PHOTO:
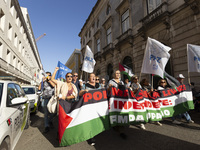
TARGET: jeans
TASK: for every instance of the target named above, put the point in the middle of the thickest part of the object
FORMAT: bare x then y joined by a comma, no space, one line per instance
185,115
48,117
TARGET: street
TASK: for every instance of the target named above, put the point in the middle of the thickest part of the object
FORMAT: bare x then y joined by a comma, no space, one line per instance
168,136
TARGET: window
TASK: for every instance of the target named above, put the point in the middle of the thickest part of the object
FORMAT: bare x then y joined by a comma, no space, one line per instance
89,33
108,10
20,92
1,50
18,65
10,31
15,40
11,92
97,23
125,21
8,56
110,71
23,51
14,61
108,35
98,45
2,19
20,46
153,4
12,8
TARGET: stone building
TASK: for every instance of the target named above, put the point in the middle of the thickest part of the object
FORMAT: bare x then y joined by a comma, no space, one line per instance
117,32
74,62
19,55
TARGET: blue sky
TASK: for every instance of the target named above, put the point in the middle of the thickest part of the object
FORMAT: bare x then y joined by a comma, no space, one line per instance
62,21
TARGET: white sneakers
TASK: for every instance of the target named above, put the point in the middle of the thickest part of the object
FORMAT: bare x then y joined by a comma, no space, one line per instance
142,126
190,121
158,123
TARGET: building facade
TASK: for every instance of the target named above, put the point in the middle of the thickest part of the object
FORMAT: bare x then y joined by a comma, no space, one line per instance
19,55
117,32
74,62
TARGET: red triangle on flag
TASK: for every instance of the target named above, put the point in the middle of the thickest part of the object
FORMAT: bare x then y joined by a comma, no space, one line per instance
64,120
121,67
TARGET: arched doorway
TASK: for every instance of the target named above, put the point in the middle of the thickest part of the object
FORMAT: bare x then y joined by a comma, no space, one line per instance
127,62
109,72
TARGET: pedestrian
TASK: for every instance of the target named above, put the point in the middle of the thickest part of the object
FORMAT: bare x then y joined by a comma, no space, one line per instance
91,85
186,115
47,88
146,85
76,81
98,81
135,86
66,90
127,84
103,83
117,82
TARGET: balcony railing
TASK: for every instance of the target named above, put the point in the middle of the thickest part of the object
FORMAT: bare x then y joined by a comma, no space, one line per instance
126,37
160,11
108,49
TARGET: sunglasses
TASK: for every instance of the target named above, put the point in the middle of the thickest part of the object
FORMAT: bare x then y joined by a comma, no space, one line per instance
75,75
97,79
69,76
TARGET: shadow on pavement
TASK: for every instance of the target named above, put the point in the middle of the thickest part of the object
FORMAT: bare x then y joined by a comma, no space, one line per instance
137,139
141,140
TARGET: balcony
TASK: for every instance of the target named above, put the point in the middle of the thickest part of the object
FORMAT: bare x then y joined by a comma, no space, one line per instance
109,49
160,14
97,56
126,37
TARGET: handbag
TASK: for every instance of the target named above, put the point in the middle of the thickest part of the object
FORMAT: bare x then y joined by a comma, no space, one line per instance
51,106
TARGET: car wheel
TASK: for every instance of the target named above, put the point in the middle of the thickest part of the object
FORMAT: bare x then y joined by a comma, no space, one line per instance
5,145
27,121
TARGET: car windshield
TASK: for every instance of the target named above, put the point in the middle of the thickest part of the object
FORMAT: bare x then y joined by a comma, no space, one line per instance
1,91
29,90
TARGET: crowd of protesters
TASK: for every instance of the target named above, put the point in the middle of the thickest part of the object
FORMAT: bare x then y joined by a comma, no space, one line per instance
72,88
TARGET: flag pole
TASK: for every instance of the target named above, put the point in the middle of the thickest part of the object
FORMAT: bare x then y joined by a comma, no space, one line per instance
188,77
81,75
152,81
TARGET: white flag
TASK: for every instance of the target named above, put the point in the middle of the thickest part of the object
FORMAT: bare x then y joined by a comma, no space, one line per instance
155,58
193,54
89,62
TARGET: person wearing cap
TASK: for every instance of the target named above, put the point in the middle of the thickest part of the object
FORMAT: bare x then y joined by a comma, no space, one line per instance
181,78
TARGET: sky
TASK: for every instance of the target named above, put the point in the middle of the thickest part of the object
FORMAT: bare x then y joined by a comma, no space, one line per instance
62,21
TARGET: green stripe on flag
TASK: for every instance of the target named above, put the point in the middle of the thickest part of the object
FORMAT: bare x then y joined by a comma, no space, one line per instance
85,131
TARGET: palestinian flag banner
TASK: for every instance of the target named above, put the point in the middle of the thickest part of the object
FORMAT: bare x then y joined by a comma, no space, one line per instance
125,70
127,108
83,119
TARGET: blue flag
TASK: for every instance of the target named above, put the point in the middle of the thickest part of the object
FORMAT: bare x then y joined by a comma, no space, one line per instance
63,70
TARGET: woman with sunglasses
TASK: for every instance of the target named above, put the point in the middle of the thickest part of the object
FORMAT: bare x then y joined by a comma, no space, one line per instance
162,84
68,90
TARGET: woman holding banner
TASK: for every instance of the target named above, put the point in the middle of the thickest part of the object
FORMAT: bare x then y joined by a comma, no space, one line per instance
66,91
118,83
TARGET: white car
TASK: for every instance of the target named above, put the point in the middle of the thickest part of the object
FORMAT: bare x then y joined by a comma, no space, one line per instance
14,114
31,93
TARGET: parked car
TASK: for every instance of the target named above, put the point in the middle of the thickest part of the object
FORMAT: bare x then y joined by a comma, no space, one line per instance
34,99
14,113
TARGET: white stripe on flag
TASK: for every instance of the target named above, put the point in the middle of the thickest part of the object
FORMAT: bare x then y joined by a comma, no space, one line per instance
88,112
